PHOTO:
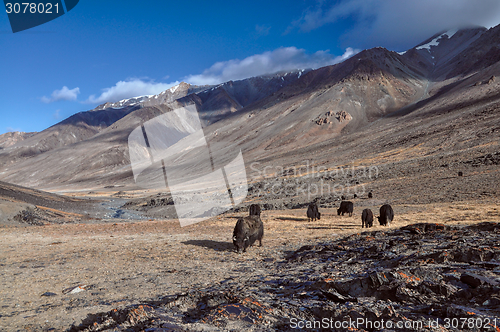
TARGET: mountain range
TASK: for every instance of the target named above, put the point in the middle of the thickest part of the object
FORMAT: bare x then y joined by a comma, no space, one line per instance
378,99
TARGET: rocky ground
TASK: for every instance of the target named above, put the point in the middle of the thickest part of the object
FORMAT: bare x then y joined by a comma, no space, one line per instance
421,277
157,276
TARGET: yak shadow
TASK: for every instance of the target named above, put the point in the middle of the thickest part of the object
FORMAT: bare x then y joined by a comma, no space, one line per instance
292,218
452,177
321,227
332,227
346,225
210,244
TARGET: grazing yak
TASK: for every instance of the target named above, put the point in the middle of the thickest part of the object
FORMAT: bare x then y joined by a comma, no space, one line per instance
386,215
312,212
254,210
366,218
370,195
345,207
246,232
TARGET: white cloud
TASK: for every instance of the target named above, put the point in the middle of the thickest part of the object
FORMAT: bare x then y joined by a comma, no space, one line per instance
63,94
262,30
128,89
284,58
390,23
10,129
314,18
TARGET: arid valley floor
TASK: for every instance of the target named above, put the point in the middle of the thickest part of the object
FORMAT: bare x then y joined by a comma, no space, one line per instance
122,263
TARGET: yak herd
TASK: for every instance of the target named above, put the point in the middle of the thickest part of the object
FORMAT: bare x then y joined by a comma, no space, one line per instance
250,229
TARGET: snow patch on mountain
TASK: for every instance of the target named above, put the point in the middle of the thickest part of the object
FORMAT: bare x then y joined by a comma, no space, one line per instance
123,103
451,33
435,41
174,88
427,46
135,101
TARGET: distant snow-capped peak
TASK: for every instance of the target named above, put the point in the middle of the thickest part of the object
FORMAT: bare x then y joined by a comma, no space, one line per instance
134,101
182,89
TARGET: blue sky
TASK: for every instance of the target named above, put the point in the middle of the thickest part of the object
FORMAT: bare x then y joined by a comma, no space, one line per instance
109,50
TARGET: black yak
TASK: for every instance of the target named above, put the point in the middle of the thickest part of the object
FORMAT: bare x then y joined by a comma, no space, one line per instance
312,212
366,218
246,232
254,210
386,215
345,207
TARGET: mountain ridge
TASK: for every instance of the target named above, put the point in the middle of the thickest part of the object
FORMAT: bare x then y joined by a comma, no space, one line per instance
272,113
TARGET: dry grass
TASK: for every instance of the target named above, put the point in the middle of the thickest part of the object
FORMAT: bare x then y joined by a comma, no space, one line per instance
125,262
59,213
394,155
